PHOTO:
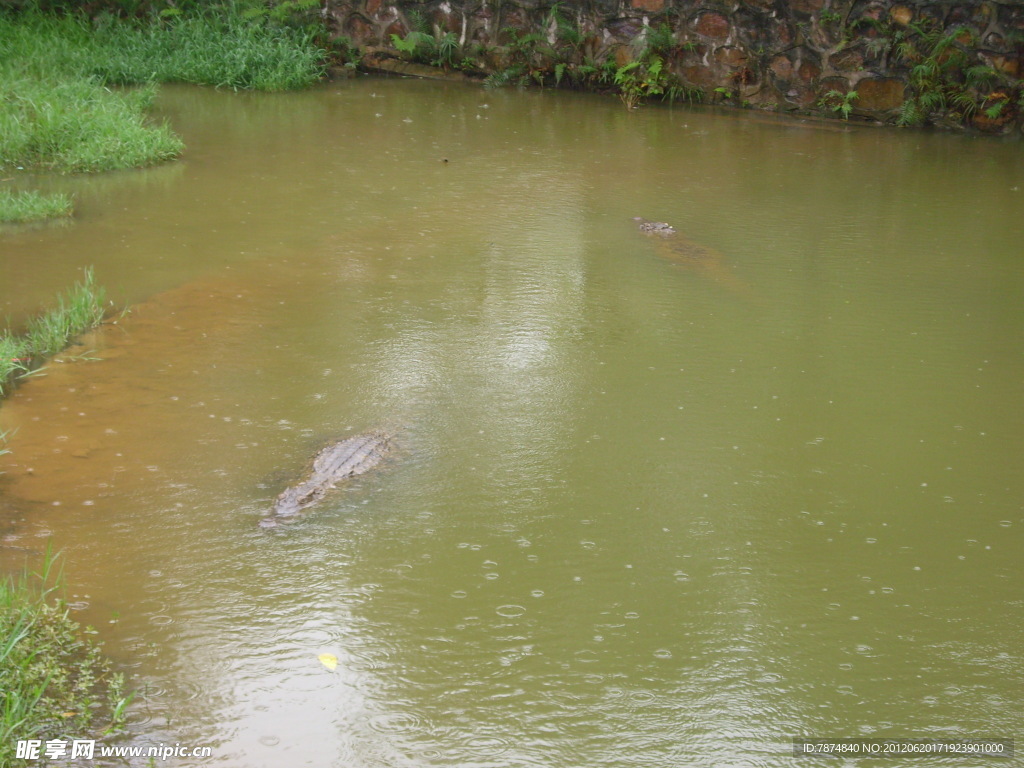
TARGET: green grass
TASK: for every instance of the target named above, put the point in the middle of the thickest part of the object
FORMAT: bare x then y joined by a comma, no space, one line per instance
74,125
18,207
77,310
220,47
63,107
53,682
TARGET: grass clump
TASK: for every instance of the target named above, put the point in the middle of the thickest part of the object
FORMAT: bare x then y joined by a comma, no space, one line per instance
77,310
53,682
76,124
19,207
221,46
61,110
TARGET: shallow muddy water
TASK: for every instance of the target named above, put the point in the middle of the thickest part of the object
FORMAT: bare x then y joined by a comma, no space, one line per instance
655,502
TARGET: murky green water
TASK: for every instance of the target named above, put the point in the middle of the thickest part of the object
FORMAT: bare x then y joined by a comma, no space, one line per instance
648,510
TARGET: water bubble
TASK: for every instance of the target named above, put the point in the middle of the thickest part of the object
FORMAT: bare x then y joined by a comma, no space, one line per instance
510,611
632,615
459,594
161,620
663,653
395,722
641,698
487,745
537,593
270,741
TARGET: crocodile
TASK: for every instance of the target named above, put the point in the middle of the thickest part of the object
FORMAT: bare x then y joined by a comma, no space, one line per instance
703,260
332,464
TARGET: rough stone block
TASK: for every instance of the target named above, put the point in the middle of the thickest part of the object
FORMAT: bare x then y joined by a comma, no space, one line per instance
880,94
807,6
651,6
731,56
850,60
712,24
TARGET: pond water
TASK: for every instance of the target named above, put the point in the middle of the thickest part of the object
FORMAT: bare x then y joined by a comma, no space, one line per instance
656,500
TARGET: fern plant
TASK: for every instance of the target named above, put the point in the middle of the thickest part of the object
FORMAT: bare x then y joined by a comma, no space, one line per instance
839,102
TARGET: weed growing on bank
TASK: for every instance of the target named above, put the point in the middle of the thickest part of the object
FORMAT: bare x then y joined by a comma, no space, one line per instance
18,207
53,682
79,309
222,47
72,124
59,75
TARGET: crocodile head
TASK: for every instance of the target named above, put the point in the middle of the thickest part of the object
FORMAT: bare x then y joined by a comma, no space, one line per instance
654,227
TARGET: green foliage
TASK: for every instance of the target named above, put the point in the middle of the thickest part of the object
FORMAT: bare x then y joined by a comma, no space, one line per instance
839,102
405,45
435,50
52,680
79,309
18,207
512,75
221,48
568,33
948,82
344,51
76,124
532,58
56,72
661,40
640,80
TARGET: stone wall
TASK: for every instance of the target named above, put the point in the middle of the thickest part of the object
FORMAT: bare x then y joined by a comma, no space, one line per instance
785,55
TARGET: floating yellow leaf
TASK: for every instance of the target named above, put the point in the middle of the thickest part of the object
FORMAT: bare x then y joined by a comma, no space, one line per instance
329,660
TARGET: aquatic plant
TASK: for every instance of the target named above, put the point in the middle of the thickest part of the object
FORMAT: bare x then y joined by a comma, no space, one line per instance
79,309
52,680
17,207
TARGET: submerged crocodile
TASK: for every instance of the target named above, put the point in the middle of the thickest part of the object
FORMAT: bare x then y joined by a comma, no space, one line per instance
699,258
338,461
